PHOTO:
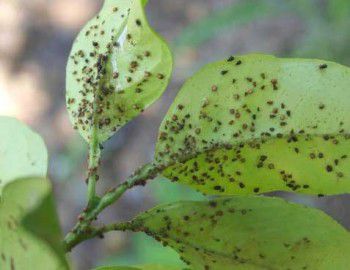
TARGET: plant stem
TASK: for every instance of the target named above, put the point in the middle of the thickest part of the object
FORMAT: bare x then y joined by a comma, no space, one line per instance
81,230
94,161
72,240
148,171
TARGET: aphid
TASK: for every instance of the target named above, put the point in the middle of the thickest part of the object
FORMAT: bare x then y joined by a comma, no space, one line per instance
138,22
329,168
231,58
214,88
323,66
274,83
134,64
224,72
238,62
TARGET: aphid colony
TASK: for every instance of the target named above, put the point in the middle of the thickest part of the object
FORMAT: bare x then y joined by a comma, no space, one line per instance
223,143
182,227
114,72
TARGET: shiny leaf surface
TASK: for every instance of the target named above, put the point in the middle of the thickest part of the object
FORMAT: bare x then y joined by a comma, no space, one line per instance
257,123
118,66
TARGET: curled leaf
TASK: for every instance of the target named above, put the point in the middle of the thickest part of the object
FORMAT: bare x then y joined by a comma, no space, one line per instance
248,232
257,123
22,152
118,66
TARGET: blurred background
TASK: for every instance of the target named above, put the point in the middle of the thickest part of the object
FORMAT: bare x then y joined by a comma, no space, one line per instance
35,40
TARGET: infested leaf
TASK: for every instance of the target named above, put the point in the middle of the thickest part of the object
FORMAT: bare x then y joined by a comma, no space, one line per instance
248,232
30,234
118,66
22,152
257,123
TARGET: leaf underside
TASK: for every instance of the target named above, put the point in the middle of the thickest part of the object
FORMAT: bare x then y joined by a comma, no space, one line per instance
249,232
30,234
257,123
22,152
118,66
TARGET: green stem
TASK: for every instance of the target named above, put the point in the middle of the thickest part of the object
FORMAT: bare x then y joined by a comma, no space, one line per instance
72,240
94,161
82,228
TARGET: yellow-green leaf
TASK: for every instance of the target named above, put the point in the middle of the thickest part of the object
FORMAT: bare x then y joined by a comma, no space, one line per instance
118,66
30,234
257,123
250,233
140,267
22,152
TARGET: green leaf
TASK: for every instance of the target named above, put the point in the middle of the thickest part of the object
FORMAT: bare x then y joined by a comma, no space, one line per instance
22,152
118,66
257,123
30,234
143,267
144,2
248,232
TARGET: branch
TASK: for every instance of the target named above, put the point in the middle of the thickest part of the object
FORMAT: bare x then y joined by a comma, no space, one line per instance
71,240
82,230
94,162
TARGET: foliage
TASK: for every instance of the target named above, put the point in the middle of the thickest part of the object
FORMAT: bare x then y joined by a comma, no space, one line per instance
248,124
30,232
118,67
23,152
249,106
248,232
28,221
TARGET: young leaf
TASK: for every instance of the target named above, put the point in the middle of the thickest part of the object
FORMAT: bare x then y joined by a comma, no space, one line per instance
257,123
30,235
248,232
22,152
118,66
